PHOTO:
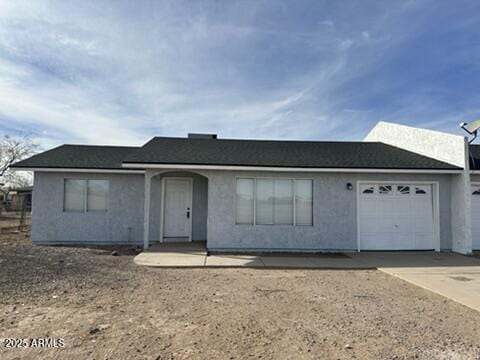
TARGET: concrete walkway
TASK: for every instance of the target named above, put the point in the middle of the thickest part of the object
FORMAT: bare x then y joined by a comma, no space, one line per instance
173,255
195,255
454,276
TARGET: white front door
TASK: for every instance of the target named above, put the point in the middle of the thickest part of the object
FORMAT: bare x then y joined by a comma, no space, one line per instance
177,209
476,217
396,217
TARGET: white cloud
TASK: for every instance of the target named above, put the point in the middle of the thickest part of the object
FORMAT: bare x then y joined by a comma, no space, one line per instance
120,73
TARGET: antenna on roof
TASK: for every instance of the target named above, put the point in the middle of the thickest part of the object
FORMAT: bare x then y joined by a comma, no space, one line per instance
471,129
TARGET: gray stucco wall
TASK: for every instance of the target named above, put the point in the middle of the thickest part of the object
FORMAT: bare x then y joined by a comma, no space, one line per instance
122,223
334,213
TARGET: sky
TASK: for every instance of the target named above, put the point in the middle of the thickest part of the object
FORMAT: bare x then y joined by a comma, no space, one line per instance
121,72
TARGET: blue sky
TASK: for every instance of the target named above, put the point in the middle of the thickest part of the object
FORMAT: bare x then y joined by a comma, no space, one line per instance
121,72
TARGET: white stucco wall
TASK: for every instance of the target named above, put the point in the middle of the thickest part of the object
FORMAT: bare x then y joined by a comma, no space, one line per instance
449,148
435,144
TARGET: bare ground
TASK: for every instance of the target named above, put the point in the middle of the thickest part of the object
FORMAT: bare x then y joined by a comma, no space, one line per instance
11,221
106,307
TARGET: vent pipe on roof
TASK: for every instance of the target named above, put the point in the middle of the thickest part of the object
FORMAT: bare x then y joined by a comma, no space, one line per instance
202,136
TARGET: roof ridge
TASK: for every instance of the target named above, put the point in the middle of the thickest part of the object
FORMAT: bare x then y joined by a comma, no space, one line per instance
111,146
268,140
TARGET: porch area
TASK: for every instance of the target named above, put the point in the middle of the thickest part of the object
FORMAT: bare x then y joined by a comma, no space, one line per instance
176,211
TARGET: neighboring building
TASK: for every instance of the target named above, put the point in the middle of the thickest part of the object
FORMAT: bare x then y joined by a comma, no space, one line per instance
401,189
17,199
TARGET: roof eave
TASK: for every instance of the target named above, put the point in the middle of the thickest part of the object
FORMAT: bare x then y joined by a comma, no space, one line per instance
288,169
78,170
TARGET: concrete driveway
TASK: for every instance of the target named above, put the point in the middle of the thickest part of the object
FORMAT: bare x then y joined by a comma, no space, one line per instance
454,276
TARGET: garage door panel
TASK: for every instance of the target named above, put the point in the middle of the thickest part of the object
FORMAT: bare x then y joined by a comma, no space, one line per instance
403,223
424,241
403,205
378,243
404,240
396,217
368,206
422,207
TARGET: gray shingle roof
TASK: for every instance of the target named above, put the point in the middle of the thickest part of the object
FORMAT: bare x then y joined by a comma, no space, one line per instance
308,154
265,153
79,156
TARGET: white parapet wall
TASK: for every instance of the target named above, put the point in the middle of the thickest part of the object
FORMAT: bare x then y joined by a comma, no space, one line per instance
452,149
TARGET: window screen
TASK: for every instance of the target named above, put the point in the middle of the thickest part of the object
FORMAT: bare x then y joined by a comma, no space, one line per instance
97,198
304,202
245,190
74,199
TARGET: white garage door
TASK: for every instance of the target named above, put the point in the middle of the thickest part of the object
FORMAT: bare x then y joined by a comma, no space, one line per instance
396,217
476,217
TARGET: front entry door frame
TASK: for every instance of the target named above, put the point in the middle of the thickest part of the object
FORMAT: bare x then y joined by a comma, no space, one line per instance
163,203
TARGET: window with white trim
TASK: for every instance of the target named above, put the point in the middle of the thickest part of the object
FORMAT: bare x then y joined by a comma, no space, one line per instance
85,195
274,202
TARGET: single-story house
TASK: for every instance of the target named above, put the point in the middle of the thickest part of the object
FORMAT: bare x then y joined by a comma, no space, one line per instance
402,188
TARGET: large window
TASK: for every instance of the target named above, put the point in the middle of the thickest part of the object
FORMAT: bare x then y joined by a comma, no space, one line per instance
274,202
85,195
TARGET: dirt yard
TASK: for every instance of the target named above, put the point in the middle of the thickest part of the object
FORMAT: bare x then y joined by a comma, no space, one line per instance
13,221
106,307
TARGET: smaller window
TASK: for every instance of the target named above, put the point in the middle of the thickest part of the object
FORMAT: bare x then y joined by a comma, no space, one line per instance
385,189
476,192
403,189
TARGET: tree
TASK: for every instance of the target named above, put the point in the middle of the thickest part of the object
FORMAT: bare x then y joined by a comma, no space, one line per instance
13,149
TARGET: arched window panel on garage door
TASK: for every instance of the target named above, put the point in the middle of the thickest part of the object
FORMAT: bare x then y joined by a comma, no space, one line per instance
403,189
385,189
422,189
367,189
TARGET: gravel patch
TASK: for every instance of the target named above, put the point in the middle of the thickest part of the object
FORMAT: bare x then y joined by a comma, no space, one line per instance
106,307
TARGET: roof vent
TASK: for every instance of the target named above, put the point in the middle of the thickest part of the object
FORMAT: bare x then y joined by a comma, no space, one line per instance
202,136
